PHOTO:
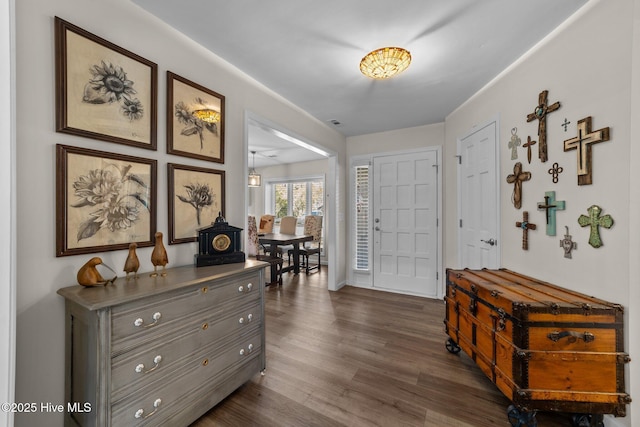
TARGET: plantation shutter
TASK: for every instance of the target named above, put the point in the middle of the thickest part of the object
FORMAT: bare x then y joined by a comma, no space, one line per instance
362,217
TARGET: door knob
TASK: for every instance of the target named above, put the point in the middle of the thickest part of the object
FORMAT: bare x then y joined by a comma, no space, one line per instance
491,242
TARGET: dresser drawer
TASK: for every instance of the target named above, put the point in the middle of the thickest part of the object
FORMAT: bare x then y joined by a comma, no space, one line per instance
138,322
151,362
176,389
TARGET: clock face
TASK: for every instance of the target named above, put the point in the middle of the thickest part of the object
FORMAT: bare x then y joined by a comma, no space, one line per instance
221,242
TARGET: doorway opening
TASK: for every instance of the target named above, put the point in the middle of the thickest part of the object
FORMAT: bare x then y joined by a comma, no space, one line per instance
264,137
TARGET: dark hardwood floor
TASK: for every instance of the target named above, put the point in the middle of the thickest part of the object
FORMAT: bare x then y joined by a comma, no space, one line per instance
359,357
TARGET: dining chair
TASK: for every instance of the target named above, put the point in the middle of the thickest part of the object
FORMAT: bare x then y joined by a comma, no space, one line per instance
287,226
313,227
275,262
275,267
266,224
252,233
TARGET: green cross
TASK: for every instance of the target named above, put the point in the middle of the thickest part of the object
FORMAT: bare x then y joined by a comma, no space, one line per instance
594,220
551,205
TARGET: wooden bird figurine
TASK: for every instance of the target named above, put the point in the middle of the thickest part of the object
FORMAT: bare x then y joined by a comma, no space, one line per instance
159,256
88,275
132,263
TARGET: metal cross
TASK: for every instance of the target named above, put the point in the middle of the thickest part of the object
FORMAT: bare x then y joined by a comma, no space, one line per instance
582,143
516,179
540,113
550,205
565,124
594,220
514,143
526,226
555,171
567,244
528,145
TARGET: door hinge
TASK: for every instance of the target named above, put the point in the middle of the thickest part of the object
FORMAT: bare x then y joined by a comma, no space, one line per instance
459,159
437,222
437,275
460,223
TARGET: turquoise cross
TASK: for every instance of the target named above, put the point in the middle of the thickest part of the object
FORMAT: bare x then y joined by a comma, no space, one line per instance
594,220
551,206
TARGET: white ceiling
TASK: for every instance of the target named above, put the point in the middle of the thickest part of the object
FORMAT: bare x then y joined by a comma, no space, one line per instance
309,51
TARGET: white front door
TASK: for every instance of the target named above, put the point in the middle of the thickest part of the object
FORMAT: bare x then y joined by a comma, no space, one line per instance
478,203
405,222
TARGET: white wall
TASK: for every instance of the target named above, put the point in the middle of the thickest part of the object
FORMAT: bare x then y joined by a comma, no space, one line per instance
586,65
40,311
396,140
7,209
634,214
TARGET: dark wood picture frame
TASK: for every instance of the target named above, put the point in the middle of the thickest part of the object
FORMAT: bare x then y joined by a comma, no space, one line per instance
103,91
196,196
189,134
104,201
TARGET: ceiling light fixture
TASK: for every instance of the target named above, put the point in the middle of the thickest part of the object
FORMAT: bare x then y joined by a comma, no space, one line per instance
255,180
385,62
207,115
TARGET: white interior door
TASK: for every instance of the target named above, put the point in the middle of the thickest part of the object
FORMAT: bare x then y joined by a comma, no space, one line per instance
478,203
405,221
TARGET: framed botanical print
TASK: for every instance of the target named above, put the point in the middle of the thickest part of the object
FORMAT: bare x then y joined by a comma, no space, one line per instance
104,201
102,90
195,120
196,196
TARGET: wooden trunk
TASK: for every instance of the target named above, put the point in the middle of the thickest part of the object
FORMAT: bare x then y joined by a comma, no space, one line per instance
546,348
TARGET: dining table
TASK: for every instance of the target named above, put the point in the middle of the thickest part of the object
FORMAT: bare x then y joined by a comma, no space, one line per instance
274,240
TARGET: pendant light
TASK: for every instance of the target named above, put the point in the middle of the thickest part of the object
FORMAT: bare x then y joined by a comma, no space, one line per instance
255,179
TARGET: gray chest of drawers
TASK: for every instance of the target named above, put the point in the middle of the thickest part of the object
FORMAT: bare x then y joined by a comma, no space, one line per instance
164,350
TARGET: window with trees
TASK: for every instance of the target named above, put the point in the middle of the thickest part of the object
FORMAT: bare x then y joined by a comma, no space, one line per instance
298,198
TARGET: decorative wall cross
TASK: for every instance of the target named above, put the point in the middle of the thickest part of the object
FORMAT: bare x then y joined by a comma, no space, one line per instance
565,124
513,144
551,205
567,244
582,143
528,145
526,226
555,171
517,178
540,113
594,220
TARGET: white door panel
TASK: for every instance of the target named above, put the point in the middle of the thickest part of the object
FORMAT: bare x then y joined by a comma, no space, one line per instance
405,212
478,198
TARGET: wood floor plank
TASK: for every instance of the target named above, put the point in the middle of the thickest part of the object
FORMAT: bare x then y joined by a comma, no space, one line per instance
360,357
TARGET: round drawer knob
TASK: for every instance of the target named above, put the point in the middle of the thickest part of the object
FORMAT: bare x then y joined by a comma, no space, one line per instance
250,317
249,286
250,348
241,320
241,289
242,352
